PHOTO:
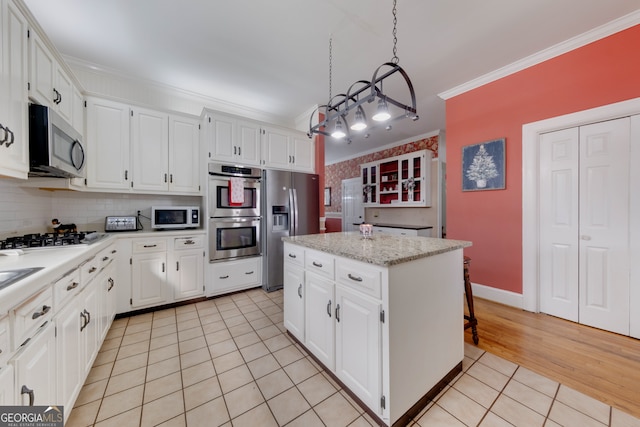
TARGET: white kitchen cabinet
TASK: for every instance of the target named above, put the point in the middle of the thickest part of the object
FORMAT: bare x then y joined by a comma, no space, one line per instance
186,271
108,298
319,326
90,309
294,299
70,351
149,272
234,275
108,145
35,369
232,140
7,388
5,339
398,231
150,149
14,144
287,149
184,155
369,176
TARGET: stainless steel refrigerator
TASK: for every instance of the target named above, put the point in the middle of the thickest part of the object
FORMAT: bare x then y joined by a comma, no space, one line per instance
290,207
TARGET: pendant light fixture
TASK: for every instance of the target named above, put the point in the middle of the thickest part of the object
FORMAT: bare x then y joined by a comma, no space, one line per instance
338,108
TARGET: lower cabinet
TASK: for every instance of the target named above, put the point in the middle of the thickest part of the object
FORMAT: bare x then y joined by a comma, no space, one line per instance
294,298
6,386
35,369
235,275
149,272
319,330
186,272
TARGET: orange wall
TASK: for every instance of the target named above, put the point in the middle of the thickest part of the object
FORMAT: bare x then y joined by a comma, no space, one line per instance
600,73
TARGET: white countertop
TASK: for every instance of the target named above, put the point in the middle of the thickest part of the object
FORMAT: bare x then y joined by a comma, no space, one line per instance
381,249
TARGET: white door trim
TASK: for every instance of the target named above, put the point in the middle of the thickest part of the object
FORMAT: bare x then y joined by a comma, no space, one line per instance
530,167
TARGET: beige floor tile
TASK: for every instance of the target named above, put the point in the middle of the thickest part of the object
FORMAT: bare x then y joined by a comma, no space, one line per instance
567,416
167,312
163,321
490,377
539,402
162,386
134,328
254,315
271,310
211,327
461,407
129,364
140,318
235,320
136,338
277,342
622,419
120,323
129,418
258,416
219,336
353,403
492,420
300,370
265,304
210,318
163,353
268,332
222,348
192,344
189,324
187,317
227,361
120,402
133,349
227,314
308,419
234,378
476,390
110,344
246,339
240,329
179,421
105,357
188,308
316,389
274,383
263,366
163,368
99,372
83,416
194,357
254,351
91,392
188,334
288,405
162,409
536,381
288,355
163,341
516,413
201,392
466,363
583,403
164,330
225,305
360,422
472,351
118,383
115,333
261,322
501,365
243,399
336,411
197,373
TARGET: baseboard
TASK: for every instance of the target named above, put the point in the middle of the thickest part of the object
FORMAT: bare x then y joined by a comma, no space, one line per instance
498,295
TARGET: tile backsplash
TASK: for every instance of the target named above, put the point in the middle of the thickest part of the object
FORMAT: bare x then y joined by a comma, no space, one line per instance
30,210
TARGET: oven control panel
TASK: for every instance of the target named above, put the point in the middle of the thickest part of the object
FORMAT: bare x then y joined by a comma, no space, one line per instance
120,223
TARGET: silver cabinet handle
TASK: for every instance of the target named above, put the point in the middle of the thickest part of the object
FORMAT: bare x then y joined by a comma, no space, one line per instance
300,290
338,312
329,308
45,310
27,390
354,278
317,264
72,286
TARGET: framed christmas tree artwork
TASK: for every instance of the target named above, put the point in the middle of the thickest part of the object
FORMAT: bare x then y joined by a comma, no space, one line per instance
483,166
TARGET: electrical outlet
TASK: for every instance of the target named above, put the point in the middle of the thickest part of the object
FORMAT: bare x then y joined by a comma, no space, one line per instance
376,214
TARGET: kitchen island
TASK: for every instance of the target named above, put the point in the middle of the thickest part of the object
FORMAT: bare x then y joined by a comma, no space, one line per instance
383,315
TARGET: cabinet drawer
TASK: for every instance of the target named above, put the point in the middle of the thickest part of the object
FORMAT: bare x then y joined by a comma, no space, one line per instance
294,254
30,315
237,273
89,269
319,262
66,287
4,339
194,242
359,276
106,256
149,245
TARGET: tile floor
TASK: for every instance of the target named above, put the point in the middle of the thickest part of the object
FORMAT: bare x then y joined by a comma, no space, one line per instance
228,362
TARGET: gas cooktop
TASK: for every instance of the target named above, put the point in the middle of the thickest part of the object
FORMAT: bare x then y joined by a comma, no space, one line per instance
51,240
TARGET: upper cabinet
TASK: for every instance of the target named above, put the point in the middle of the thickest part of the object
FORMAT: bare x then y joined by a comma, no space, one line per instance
184,154
287,149
398,181
14,144
232,140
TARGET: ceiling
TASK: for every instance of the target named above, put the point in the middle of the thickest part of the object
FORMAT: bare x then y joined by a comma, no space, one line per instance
273,56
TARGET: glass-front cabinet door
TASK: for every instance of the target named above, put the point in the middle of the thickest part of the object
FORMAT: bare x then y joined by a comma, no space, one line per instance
415,172
369,174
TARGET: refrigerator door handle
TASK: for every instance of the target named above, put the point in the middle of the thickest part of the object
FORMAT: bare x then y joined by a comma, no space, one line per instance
294,208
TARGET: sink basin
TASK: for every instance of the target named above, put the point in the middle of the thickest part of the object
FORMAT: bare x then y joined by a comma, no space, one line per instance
9,277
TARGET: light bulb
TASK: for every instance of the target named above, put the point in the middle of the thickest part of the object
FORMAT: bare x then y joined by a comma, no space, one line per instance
337,131
382,112
359,122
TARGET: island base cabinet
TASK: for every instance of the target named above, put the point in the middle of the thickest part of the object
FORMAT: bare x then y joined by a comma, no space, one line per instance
319,323
358,345
294,297
6,385
35,366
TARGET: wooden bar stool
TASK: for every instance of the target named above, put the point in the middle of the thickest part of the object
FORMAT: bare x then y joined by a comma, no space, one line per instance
471,321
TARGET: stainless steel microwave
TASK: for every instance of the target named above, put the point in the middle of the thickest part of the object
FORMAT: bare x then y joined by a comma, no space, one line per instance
175,217
55,148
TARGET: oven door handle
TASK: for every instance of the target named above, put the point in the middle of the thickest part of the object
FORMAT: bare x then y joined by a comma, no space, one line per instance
239,219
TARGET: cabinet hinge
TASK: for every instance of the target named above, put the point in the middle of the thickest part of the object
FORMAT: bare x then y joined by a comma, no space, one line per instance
131,303
383,402
382,316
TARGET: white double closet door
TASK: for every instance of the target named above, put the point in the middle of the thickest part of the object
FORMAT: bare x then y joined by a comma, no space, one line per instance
584,224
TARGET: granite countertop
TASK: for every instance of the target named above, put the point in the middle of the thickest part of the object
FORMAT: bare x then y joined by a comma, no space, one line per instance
406,226
380,249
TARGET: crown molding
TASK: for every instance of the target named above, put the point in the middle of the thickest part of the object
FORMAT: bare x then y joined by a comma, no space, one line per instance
573,43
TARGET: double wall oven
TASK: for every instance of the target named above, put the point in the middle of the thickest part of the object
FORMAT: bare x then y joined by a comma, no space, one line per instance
234,211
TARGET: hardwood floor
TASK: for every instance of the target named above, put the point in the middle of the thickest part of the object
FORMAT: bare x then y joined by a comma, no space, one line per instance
600,364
